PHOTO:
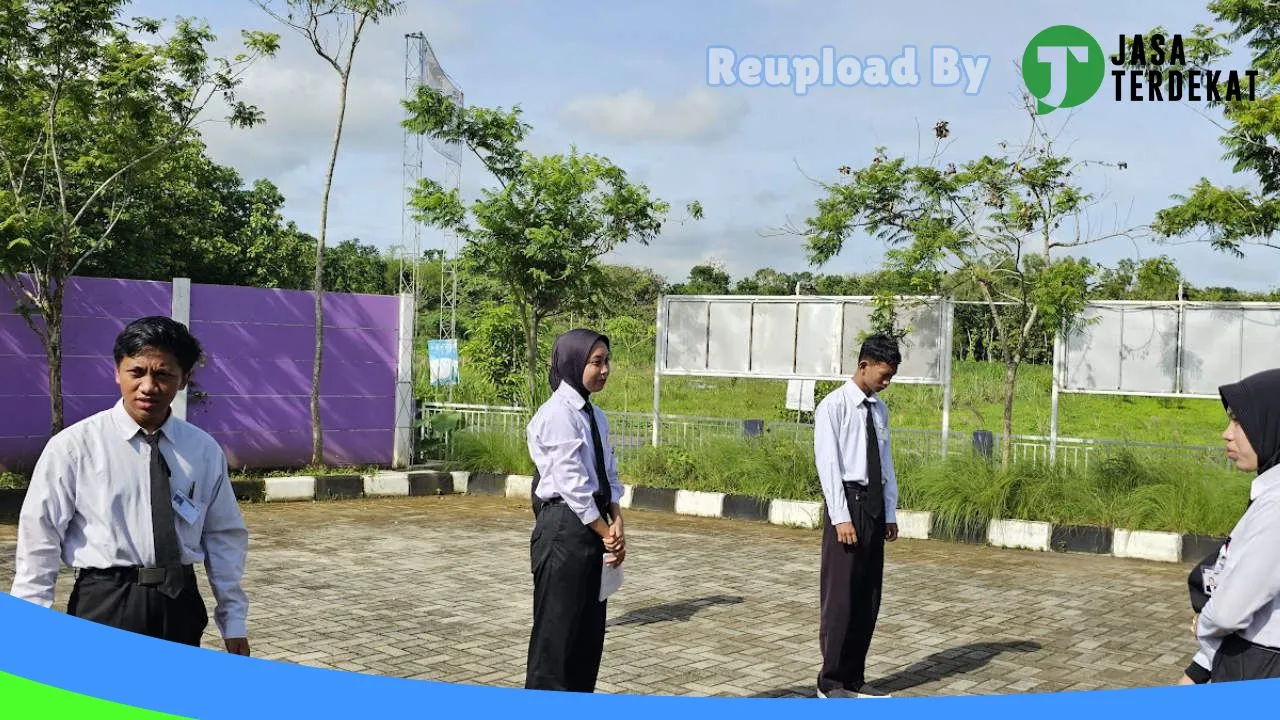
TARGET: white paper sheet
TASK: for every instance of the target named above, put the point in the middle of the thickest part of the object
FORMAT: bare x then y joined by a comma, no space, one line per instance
610,578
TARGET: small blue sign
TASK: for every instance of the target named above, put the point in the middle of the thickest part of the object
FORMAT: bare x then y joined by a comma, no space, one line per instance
443,355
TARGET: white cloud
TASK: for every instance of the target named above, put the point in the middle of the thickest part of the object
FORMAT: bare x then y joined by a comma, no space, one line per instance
741,248
699,116
298,93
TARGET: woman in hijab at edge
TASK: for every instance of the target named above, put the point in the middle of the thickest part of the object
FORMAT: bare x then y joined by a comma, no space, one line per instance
578,520
1239,626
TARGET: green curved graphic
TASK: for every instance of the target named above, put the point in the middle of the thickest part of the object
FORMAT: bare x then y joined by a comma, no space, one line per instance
29,699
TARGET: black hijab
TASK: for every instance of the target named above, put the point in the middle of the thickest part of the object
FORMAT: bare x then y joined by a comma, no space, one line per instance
1255,401
569,358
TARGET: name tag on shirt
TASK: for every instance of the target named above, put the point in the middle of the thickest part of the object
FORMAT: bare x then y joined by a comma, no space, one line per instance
185,508
1210,578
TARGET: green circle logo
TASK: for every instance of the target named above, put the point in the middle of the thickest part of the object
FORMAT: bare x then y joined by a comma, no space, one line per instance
1063,67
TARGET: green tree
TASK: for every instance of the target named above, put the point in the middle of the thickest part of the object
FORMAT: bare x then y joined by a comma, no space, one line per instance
494,348
767,281
310,18
353,267
1232,217
706,279
622,290
1116,283
991,225
841,285
87,113
541,233
194,218
1155,278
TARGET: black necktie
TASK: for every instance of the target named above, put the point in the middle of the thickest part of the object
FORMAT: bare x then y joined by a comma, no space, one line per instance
875,475
605,495
164,533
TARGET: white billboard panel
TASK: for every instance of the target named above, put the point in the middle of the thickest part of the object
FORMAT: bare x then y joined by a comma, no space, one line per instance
788,337
1168,348
822,328
1259,340
729,336
686,336
773,338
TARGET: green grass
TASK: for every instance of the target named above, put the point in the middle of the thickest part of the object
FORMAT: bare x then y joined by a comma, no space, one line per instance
308,470
489,452
1121,489
765,467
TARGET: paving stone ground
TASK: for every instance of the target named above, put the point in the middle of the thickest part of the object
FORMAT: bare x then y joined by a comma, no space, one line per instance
439,588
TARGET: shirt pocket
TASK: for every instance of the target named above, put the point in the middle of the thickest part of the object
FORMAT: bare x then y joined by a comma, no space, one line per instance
184,482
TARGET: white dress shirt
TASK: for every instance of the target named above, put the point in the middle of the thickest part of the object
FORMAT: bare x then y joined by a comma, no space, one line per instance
89,506
840,449
1247,598
559,437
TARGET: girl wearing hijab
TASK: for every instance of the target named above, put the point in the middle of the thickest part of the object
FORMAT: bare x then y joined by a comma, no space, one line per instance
578,520
1239,625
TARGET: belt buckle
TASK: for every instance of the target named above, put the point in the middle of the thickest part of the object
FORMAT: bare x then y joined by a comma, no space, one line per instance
151,576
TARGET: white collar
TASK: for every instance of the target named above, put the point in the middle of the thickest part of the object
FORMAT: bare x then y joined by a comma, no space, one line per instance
1267,482
567,394
129,428
856,394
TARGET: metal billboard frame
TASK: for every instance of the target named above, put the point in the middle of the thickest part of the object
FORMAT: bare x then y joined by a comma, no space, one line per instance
1181,306
946,330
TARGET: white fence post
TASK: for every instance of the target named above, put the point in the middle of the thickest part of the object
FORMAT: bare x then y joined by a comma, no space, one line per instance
180,310
402,443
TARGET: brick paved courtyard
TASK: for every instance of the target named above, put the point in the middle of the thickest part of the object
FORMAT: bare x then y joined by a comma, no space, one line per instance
439,588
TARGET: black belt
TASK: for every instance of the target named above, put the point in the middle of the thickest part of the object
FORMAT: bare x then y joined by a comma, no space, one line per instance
147,577
539,503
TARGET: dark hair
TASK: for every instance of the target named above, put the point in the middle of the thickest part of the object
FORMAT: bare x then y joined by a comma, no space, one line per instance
161,333
880,348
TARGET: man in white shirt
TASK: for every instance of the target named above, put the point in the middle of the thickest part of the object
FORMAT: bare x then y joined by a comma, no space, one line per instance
132,497
851,449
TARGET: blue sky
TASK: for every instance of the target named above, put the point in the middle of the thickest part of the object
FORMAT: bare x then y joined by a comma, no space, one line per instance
629,80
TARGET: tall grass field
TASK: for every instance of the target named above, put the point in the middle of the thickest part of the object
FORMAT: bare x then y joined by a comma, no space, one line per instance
1117,490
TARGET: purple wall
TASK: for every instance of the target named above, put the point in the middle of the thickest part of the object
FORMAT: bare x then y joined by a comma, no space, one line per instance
252,394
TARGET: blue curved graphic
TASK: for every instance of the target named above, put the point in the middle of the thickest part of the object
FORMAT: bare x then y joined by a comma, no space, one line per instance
49,647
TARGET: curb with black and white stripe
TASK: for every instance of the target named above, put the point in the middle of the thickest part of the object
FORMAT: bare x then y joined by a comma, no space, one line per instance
915,525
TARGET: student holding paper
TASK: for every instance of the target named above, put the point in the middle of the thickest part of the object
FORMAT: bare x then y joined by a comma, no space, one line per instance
577,547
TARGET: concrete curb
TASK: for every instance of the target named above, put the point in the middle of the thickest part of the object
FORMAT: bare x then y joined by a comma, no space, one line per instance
913,525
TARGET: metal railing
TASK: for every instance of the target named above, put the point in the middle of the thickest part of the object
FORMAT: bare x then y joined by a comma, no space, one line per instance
632,431
1079,452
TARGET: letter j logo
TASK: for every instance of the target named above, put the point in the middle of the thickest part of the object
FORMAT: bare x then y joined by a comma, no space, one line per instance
1063,67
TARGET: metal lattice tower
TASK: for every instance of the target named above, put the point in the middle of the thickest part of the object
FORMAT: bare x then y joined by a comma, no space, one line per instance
422,68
